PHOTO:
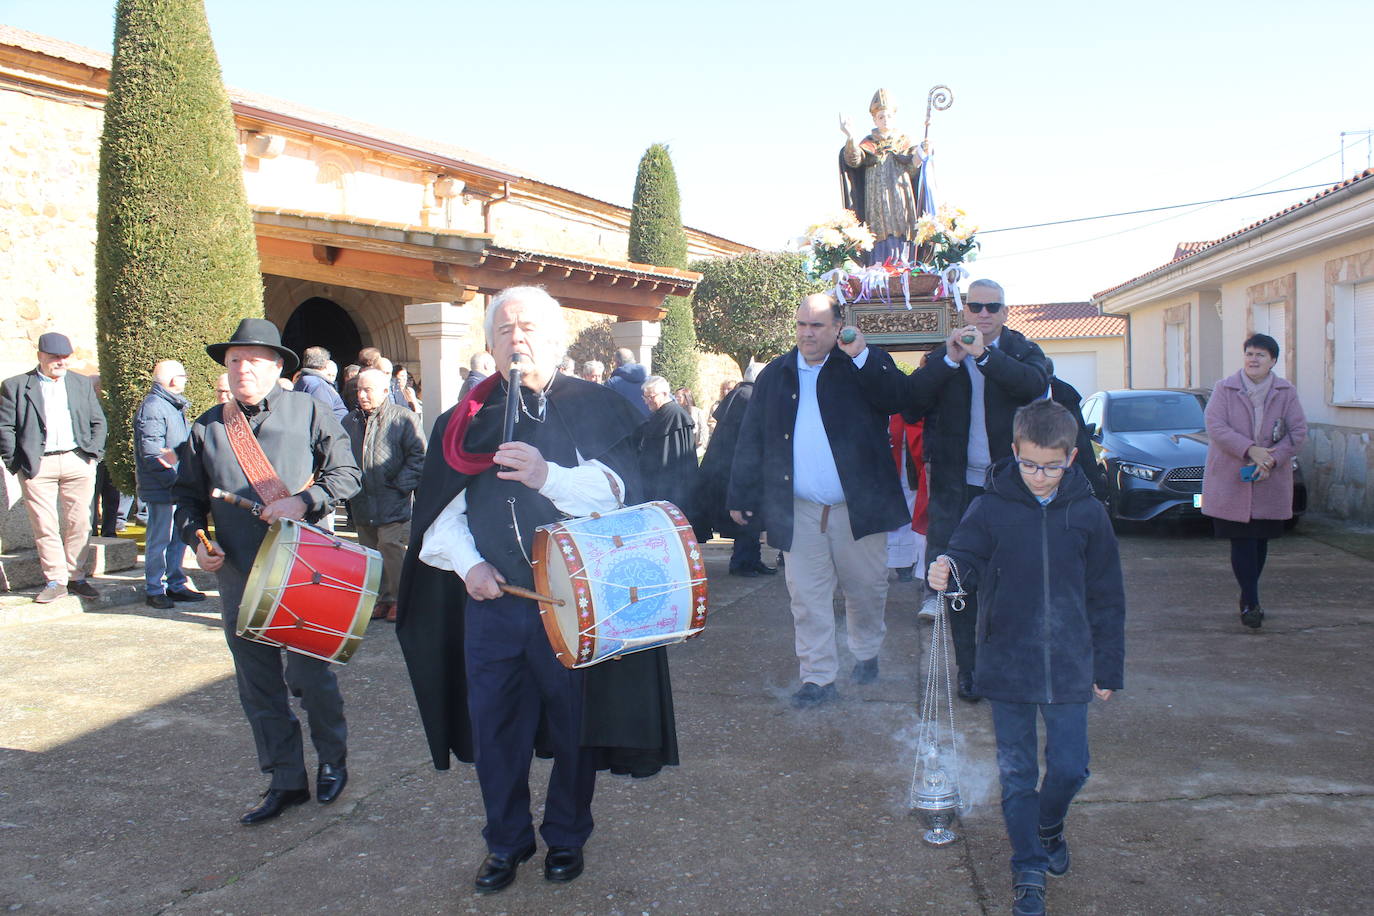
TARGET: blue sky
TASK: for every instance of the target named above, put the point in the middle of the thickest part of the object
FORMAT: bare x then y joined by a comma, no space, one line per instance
1061,109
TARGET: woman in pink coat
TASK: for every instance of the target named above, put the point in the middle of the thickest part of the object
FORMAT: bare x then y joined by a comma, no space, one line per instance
1256,426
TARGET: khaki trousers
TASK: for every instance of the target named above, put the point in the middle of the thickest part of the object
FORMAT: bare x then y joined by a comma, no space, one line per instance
58,500
817,561
390,541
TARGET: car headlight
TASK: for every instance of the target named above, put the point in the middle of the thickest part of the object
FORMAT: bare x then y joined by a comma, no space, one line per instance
1295,462
1142,471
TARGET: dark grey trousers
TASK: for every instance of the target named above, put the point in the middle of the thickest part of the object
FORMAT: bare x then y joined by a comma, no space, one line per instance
263,691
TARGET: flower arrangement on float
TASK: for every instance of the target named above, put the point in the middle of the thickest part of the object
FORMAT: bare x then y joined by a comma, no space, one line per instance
943,241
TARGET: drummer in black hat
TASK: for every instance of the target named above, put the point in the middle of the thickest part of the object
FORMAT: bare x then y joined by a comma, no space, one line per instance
310,455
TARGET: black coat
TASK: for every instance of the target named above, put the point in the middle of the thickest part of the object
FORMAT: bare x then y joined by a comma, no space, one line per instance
389,448
24,426
668,458
1014,375
855,405
160,422
713,479
628,703
1064,394
1051,605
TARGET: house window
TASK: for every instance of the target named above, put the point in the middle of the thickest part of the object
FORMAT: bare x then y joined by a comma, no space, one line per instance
1271,318
1175,358
1354,366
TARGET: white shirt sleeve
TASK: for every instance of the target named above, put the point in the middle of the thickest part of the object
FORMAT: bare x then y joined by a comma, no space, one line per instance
861,358
448,544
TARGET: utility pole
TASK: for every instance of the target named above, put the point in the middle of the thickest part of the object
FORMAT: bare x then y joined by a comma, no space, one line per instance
1369,148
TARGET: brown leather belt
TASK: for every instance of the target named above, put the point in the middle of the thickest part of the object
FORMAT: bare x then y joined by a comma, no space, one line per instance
825,518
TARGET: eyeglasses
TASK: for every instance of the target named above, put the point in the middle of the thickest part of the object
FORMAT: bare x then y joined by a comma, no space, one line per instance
977,307
1049,470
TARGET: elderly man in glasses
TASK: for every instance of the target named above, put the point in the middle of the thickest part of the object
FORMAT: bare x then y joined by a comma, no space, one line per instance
970,389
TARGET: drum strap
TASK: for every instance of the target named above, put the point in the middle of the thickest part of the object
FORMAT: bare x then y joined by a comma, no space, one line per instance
256,466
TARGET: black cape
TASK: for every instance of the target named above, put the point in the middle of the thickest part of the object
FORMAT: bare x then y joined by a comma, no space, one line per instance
628,703
714,478
668,458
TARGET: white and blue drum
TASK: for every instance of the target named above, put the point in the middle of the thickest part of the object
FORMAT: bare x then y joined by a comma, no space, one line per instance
628,580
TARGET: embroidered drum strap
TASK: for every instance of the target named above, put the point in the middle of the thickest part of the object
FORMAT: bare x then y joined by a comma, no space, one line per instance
256,466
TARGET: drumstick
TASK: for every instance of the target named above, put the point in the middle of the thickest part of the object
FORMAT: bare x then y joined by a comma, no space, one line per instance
209,548
235,500
519,592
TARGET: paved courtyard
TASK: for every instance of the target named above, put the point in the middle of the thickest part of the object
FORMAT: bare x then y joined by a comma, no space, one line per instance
1233,776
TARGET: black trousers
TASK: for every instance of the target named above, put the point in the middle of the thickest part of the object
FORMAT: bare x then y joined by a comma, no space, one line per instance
1247,562
514,683
263,691
963,626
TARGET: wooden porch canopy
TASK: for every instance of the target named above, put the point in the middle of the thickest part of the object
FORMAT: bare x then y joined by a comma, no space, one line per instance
448,265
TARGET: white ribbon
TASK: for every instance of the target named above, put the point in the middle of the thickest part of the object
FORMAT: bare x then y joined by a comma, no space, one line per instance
949,283
873,280
839,277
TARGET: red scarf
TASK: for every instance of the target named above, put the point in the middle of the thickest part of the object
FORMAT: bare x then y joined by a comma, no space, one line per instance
458,458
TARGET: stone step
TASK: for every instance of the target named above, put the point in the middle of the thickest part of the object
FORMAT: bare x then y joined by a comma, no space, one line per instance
21,570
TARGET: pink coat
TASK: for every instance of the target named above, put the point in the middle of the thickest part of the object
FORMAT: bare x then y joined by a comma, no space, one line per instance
1231,428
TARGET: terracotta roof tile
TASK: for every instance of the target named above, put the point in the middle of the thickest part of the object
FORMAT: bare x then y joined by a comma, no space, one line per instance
1187,250
1062,320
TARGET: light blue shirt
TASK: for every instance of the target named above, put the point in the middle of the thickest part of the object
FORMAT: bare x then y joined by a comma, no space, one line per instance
814,475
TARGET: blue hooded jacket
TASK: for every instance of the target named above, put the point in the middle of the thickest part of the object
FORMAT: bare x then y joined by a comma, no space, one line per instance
627,381
1051,604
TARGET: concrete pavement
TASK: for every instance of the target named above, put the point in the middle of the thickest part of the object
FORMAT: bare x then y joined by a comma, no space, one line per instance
1233,776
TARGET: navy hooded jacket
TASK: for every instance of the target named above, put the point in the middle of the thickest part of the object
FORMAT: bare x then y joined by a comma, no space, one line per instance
1051,605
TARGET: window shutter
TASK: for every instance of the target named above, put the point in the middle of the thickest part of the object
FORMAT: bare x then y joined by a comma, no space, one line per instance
1363,341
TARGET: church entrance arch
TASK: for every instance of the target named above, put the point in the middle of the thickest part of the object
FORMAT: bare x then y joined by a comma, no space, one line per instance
320,322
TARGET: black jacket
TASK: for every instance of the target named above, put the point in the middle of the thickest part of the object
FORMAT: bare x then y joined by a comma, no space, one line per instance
307,447
855,405
667,448
159,423
1051,605
24,426
389,448
1014,375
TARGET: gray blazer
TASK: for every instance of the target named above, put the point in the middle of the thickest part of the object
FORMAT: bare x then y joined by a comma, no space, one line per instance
24,425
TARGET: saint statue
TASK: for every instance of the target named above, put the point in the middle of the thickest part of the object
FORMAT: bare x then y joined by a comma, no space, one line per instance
883,180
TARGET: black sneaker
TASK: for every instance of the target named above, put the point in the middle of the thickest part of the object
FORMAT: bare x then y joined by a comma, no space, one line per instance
161,602
813,695
966,691
1057,848
1251,616
1028,894
866,671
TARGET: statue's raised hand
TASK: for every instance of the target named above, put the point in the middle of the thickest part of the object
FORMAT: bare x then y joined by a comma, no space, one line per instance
847,125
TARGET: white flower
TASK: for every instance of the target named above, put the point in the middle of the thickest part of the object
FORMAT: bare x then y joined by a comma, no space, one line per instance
831,238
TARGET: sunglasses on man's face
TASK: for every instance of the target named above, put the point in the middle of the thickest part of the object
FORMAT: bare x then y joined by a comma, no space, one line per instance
977,307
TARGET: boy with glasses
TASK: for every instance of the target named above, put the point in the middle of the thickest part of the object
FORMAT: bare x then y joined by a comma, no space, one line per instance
1050,631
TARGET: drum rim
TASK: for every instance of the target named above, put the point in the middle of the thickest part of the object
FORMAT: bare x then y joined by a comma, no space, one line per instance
260,596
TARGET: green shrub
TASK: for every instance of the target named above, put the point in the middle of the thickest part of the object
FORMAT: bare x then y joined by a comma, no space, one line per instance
746,305
657,237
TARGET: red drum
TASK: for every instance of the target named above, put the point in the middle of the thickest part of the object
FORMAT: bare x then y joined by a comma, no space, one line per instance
628,580
310,592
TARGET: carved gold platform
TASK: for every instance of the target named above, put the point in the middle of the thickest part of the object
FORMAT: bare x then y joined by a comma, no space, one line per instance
893,326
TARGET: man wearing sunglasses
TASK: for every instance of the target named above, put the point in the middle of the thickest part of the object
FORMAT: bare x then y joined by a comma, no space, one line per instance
969,390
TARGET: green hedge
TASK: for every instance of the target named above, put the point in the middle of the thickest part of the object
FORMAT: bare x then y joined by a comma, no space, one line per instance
657,237
176,256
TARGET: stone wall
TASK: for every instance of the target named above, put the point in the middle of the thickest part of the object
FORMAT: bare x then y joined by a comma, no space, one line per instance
49,158
1338,464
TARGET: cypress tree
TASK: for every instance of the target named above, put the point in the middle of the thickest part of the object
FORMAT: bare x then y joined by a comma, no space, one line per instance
657,237
176,258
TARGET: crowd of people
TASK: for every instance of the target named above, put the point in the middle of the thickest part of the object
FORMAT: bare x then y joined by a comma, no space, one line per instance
970,472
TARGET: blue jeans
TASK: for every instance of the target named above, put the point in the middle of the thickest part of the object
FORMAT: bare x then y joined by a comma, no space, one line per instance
1025,809
163,553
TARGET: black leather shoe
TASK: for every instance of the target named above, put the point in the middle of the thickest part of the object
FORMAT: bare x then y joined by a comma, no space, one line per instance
161,602
83,588
274,802
563,863
763,570
498,871
866,671
812,695
1252,617
330,782
747,572
185,594
966,691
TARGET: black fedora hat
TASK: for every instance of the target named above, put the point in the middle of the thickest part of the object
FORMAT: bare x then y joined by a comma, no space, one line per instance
256,332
